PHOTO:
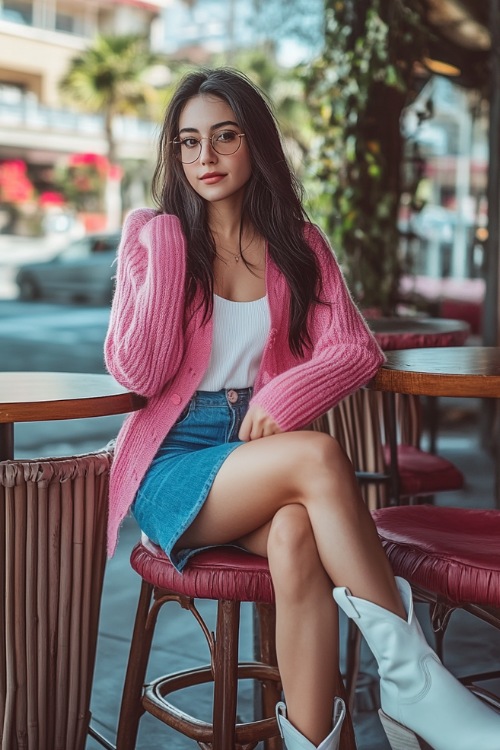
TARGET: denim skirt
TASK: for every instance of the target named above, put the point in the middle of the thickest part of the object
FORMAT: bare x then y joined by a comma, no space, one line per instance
181,474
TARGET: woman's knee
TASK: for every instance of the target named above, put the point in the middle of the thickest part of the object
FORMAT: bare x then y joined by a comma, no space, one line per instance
322,463
292,551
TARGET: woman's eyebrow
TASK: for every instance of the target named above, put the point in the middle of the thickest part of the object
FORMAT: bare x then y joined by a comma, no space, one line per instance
222,124
212,127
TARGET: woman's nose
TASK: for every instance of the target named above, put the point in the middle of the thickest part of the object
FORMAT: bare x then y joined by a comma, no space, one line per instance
208,153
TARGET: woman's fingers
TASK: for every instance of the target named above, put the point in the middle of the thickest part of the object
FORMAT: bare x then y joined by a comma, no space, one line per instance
246,426
256,424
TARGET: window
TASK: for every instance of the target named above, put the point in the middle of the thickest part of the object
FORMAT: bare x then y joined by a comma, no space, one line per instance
65,22
11,93
105,244
17,11
76,251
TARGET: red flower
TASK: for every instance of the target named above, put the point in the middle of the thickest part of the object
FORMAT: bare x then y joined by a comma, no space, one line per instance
15,186
51,198
98,161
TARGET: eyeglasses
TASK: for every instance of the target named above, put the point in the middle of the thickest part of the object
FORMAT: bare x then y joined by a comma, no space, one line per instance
223,142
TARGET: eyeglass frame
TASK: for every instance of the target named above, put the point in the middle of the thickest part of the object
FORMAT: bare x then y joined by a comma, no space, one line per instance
178,142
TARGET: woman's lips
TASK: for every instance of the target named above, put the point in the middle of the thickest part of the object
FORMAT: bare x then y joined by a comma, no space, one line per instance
212,177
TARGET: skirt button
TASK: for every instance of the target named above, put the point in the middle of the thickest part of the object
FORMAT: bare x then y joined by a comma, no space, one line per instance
232,396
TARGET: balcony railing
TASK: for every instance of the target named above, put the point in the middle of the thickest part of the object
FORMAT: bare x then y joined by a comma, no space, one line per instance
29,116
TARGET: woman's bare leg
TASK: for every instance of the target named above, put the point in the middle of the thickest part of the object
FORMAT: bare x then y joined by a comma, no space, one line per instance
312,470
306,622
294,498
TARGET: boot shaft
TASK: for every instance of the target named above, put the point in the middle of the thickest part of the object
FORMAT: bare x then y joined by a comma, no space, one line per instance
294,740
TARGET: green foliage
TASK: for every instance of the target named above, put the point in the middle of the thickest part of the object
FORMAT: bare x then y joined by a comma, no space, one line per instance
356,91
111,77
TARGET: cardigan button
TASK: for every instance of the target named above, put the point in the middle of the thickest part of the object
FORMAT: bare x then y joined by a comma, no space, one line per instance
266,377
175,398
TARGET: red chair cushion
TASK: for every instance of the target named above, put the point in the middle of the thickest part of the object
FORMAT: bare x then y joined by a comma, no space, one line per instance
218,573
451,551
422,473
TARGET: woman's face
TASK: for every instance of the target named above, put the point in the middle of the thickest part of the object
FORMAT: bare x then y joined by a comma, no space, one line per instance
214,176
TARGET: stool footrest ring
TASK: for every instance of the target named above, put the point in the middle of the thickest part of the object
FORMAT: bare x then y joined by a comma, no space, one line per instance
154,702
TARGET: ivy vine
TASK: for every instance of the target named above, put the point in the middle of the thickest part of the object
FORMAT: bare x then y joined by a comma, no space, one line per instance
355,92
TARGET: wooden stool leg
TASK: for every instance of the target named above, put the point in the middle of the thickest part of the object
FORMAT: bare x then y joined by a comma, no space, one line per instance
347,738
131,707
353,648
225,665
271,691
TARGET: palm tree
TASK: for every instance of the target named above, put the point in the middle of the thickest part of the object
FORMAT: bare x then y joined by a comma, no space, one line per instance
111,77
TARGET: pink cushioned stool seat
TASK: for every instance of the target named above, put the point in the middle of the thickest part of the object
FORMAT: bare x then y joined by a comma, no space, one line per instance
454,552
451,558
422,473
226,573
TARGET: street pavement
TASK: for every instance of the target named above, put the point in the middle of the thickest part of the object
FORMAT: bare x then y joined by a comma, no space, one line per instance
41,336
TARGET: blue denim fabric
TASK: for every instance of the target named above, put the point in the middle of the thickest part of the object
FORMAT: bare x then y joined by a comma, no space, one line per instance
181,475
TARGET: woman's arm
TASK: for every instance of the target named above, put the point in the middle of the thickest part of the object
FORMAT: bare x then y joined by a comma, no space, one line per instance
144,343
345,354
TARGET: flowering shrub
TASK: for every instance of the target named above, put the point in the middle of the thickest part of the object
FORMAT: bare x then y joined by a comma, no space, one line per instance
15,186
83,181
50,198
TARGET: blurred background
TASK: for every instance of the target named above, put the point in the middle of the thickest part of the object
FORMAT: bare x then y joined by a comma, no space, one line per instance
385,108
390,114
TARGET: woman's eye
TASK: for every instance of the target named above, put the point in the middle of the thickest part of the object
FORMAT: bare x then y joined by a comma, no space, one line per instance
189,142
225,136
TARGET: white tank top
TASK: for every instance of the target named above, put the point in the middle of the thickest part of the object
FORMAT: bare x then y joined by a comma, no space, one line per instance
240,330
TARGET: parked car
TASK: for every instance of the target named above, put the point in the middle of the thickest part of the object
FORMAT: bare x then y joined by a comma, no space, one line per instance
81,272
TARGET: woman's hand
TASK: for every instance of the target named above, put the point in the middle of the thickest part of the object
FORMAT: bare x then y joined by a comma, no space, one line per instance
256,424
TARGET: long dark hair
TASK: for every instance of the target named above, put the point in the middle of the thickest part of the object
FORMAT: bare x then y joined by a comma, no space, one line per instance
272,202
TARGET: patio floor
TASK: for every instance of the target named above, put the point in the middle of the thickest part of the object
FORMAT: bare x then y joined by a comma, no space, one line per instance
470,645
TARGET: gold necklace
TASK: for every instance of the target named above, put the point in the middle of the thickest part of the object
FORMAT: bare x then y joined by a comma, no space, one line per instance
236,257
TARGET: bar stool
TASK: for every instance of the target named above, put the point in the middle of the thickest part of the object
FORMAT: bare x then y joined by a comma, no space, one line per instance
230,576
451,558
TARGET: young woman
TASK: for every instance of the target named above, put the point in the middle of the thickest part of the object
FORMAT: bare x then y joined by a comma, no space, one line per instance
232,317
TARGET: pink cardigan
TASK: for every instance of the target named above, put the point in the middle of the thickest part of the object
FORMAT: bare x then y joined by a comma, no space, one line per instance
157,349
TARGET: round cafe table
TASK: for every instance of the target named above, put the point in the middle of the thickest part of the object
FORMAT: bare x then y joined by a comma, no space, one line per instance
53,515
463,372
46,396
412,333
468,372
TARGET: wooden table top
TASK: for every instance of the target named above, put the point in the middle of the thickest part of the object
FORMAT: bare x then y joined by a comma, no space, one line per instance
44,396
462,371
409,333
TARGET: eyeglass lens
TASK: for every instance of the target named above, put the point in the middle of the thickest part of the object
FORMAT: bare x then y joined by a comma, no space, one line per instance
223,142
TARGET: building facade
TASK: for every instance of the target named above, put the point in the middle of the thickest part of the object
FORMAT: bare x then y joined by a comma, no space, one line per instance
38,40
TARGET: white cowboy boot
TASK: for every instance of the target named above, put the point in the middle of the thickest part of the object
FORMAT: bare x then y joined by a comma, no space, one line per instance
421,700
294,740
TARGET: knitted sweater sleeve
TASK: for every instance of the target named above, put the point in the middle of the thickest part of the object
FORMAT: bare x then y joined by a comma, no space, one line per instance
144,342
345,354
